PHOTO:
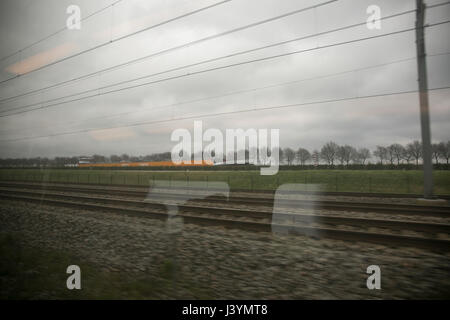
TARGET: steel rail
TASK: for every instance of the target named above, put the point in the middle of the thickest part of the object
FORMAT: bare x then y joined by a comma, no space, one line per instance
285,229
379,207
247,213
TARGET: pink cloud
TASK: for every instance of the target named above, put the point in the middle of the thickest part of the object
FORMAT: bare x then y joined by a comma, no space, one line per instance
112,134
41,59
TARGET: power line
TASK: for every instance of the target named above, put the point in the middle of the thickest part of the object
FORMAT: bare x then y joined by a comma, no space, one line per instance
223,113
186,66
57,32
157,25
117,39
165,51
437,5
249,90
115,67
173,77
199,72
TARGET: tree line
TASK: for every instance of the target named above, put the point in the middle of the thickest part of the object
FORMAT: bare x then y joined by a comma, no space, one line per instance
96,158
329,154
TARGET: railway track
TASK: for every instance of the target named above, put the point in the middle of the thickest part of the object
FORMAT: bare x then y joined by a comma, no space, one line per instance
379,207
255,219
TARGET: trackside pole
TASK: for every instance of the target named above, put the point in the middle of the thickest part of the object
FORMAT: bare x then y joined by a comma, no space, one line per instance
424,104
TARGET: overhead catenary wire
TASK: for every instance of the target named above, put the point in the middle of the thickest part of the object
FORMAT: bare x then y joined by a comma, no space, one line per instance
241,91
115,40
201,72
57,32
225,113
172,49
185,66
246,90
440,4
146,29
130,62
98,93
264,108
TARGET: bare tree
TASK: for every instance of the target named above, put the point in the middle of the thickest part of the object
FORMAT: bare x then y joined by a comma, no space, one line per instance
264,154
96,158
415,149
340,154
436,152
315,157
289,155
444,150
303,155
345,154
114,158
253,155
362,155
397,151
280,155
381,153
407,156
328,152
391,154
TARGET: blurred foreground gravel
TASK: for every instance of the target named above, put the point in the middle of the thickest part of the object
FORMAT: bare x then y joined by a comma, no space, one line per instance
225,263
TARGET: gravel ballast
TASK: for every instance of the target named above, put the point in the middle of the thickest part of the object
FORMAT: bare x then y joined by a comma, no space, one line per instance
226,263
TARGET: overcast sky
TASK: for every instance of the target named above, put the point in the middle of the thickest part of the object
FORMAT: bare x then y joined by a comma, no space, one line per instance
360,122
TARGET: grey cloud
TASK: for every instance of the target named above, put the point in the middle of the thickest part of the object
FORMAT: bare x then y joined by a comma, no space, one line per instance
365,122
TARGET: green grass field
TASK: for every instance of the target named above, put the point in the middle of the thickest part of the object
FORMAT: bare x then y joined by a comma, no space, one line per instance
389,181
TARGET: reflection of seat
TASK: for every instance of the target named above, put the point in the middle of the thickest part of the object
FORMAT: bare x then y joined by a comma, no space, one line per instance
195,190
294,192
